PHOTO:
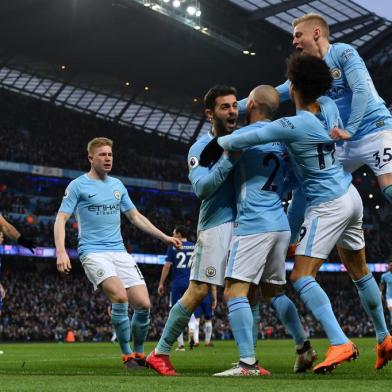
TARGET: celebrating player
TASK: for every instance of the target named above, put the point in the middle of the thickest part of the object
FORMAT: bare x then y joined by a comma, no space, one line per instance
214,185
334,207
260,241
367,123
97,201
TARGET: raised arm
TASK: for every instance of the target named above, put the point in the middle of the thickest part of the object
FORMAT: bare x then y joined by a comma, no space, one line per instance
281,130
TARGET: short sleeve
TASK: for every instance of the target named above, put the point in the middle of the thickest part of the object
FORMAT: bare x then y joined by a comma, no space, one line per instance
70,198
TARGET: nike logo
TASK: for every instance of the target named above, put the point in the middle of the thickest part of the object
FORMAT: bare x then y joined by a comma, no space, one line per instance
90,196
381,166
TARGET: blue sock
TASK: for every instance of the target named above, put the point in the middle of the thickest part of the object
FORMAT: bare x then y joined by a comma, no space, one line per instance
370,296
256,320
139,327
120,320
288,316
319,304
176,323
241,322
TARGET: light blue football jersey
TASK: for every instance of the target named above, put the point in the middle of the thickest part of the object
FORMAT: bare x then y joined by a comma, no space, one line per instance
361,109
97,206
213,185
386,279
310,147
258,178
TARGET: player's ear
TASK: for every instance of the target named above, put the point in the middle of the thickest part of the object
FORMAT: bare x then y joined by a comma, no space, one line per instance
316,33
208,113
90,158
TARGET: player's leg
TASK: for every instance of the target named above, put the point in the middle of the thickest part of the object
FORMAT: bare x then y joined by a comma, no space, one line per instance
272,285
114,289
177,292
351,247
245,266
138,297
377,151
389,305
323,226
208,314
101,272
208,267
196,331
191,329
140,322
254,302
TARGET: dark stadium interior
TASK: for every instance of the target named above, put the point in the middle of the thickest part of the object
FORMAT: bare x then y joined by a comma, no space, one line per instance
103,44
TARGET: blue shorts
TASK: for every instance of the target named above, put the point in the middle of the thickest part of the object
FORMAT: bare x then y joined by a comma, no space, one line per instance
177,292
205,308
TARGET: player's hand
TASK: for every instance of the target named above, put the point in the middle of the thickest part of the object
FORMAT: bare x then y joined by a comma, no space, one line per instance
234,155
63,263
339,134
211,153
27,243
291,251
173,241
161,290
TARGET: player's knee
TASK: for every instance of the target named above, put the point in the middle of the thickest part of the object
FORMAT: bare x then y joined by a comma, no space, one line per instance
119,298
198,290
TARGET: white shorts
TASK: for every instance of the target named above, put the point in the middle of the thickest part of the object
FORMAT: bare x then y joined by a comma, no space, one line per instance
336,222
389,303
210,255
258,257
374,150
100,266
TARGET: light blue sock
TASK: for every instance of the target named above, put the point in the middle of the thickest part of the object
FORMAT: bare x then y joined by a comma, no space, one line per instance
139,327
370,296
241,322
288,316
178,319
256,320
120,320
319,304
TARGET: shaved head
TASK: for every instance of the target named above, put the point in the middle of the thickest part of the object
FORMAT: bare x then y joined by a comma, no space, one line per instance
266,100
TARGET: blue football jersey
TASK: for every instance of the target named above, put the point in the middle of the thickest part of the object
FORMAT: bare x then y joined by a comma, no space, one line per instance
181,262
258,178
386,279
361,109
213,185
97,206
310,147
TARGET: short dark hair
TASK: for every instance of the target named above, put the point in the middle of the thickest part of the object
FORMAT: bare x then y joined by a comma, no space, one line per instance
181,230
220,90
310,76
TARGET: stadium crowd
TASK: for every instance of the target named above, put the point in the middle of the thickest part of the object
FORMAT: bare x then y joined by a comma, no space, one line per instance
26,122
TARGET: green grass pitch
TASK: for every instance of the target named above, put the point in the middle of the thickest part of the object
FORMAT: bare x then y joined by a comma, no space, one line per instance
83,367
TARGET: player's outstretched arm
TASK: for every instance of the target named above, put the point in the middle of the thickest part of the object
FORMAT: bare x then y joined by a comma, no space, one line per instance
162,280
63,262
142,223
11,232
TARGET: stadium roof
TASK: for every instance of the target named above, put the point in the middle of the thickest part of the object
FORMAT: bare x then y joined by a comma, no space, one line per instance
113,50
